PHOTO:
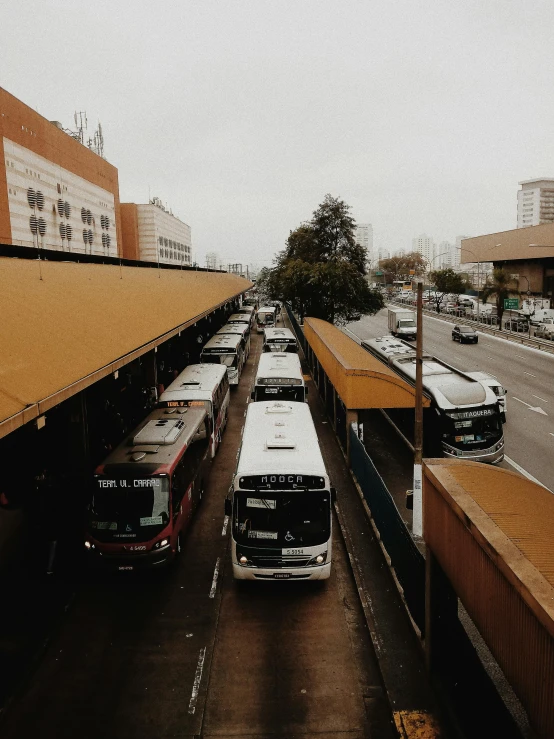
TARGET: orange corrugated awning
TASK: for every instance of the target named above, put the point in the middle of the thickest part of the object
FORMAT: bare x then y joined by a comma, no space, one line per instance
65,331
360,379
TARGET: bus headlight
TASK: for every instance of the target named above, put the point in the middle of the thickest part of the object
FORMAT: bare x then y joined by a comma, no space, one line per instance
319,559
242,560
160,544
89,545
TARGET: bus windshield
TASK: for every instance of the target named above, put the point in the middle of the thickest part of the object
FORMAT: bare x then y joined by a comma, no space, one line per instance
134,509
282,519
466,432
229,360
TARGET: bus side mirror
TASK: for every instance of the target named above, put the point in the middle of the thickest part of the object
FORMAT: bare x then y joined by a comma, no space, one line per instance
333,494
410,500
228,506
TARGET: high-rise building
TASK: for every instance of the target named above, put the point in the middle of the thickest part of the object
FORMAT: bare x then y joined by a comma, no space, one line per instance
425,246
364,237
151,233
55,192
444,256
213,260
535,202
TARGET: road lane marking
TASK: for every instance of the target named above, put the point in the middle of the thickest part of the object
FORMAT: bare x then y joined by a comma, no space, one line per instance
539,398
530,375
531,408
214,581
197,680
225,524
525,473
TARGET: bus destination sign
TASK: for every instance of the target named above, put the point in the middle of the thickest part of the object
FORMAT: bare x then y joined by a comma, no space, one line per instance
282,482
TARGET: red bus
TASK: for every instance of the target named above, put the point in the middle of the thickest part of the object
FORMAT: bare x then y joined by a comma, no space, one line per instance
147,490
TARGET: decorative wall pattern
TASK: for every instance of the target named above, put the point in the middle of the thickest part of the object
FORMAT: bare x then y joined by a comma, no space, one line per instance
53,208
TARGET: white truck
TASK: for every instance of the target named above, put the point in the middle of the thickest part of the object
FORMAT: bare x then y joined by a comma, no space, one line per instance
402,323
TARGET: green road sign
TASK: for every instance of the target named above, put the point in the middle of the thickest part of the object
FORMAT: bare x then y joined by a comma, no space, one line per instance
511,303
378,274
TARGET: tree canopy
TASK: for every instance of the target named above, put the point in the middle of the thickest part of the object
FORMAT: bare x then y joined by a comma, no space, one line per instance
322,269
447,282
403,267
501,285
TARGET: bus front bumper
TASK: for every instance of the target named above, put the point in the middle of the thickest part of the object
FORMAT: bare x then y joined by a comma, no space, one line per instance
492,455
317,572
126,562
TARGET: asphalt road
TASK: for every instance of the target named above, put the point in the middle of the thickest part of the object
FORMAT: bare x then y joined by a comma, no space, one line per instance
188,653
528,375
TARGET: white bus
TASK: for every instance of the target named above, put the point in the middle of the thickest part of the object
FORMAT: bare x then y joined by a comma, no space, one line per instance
227,350
205,386
238,329
248,310
280,503
279,340
266,316
464,418
279,377
245,318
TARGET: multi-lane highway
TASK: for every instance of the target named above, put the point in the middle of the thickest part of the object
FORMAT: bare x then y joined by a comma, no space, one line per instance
527,373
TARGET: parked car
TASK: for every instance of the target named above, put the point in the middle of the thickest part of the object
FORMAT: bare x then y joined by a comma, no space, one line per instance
545,330
464,334
517,324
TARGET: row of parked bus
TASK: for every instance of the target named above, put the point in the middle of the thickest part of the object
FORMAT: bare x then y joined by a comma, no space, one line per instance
148,488
280,499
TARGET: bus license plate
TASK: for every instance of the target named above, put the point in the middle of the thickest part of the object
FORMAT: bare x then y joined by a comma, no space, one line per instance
125,567
281,575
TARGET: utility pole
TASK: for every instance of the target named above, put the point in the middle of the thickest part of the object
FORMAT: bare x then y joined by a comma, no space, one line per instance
417,520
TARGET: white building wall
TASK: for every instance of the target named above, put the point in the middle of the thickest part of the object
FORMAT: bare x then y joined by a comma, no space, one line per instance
65,211
535,202
425,246
162,236
364,237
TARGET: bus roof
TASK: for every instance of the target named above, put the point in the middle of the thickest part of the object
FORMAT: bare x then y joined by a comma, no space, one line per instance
279,364
196,382
449,387
239,318
233,328
280,438
277,335
157,442
220,342
246,309
267,309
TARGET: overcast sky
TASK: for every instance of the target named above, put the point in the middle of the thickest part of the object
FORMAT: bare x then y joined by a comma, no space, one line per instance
241,115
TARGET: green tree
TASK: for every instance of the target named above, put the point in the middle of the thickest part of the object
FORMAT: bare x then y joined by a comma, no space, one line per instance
501,285
322,269
446,282
403,267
